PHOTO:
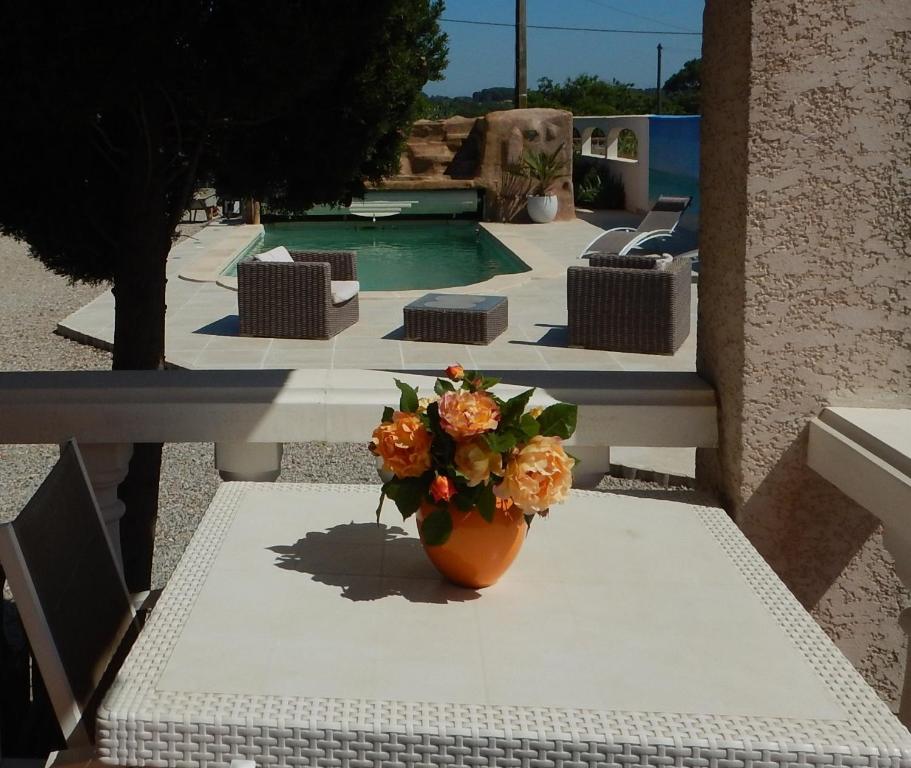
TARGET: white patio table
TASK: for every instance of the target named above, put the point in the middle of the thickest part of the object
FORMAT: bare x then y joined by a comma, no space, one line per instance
630,631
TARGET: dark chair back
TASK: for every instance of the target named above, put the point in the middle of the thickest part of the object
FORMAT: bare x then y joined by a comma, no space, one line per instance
69,591
665,214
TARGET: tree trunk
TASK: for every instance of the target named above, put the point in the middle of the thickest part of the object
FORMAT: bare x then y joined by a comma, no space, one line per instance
139,314
250,210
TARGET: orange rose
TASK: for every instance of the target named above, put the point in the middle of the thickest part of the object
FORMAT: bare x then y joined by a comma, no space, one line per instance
476,461
442,488
466,414
403,444
455,372
537,475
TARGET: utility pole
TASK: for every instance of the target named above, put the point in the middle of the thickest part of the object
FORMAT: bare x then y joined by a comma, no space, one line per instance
521,97
658,89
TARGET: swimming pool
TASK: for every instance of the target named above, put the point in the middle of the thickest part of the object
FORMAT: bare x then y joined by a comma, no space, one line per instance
401,255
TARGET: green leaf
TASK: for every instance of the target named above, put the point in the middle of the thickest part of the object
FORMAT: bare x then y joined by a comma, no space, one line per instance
515,407
408,402
464,500
559,420
487,504
379,507
387,415
528,519
443,446
500,442
475,380
408,492
529,426
442,387
436,527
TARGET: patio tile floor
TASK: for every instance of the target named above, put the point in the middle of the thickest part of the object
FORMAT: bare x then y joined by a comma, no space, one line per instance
202,323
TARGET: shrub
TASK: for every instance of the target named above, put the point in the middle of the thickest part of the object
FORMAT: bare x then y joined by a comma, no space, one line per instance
594,185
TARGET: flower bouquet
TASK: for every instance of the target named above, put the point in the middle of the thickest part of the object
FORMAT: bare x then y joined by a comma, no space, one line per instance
474,468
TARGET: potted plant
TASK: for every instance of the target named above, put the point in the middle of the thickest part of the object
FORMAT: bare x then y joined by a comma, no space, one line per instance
474,469
543,168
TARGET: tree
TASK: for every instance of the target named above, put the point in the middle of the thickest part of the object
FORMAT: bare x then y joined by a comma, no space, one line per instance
685,85
115,110
498,94
590,95
687,78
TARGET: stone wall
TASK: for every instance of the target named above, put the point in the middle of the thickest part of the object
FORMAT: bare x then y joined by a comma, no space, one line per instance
481,152
805,290
438,149
504,137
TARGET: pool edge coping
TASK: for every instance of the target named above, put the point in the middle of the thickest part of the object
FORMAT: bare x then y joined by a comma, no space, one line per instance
230,241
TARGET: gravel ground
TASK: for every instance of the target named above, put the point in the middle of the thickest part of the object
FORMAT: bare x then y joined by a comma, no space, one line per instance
33,301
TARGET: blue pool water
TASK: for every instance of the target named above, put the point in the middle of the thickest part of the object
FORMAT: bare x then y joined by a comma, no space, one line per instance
403,255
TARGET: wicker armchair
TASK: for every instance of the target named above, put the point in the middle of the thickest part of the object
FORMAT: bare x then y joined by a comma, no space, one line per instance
294,301
624,304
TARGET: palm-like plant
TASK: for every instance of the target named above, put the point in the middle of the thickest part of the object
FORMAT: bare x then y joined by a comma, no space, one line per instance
544,168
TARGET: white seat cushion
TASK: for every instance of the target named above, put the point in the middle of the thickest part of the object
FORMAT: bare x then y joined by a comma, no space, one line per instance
277,254
342,290
664,262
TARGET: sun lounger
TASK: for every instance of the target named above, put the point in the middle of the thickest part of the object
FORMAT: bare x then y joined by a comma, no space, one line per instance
660,222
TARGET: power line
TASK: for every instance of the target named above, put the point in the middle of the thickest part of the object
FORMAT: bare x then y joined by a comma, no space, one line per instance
636,15
573,29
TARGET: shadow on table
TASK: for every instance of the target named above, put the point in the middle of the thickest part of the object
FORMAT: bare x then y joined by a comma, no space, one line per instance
369,562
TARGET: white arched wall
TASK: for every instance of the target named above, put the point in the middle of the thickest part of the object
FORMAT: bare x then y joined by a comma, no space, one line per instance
634,173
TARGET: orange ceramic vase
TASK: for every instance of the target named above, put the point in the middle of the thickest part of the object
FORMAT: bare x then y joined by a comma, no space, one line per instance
477,553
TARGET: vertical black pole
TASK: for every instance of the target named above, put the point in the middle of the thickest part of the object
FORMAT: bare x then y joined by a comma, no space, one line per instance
521,97
658,89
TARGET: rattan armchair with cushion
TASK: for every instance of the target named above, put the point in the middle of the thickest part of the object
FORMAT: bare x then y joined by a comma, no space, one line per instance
295,300
627,304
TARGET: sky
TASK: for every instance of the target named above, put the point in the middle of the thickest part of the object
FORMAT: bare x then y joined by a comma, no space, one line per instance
484,56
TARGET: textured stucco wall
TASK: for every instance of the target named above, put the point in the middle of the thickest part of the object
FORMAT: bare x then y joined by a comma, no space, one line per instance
805,292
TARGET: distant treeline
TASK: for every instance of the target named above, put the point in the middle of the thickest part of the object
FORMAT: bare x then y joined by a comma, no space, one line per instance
581,95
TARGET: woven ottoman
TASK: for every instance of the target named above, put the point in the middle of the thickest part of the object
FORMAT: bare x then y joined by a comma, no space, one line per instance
456,318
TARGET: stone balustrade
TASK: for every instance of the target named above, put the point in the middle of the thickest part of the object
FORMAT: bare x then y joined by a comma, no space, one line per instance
249,414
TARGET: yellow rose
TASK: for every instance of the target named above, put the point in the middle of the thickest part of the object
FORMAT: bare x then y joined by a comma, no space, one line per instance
537,475
476,461
403,444
467,414
424,403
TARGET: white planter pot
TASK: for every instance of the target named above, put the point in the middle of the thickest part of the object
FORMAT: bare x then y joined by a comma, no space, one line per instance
542,208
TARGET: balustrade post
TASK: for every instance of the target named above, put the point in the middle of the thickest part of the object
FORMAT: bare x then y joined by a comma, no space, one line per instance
594,464
107,465
253,462
585,145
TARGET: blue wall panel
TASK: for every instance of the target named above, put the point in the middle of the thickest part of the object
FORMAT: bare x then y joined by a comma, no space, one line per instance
674,162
